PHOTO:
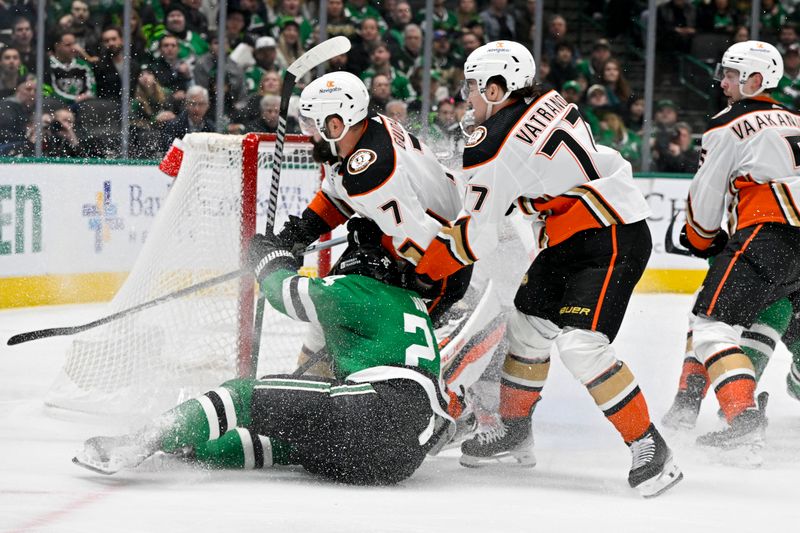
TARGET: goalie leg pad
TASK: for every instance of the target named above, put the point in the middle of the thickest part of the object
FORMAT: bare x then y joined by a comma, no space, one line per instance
730,371
591,359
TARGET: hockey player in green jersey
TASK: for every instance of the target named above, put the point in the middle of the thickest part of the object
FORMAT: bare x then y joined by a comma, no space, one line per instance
372,423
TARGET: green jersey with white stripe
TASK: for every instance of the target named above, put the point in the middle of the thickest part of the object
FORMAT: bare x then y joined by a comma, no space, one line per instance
373,331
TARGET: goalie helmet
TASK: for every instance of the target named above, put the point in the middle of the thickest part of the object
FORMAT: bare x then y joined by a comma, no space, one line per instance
750,57
507,59
337,93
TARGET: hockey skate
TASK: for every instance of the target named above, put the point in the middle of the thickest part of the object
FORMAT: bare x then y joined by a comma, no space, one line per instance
504,441
742,441
109,455
684,410
653,469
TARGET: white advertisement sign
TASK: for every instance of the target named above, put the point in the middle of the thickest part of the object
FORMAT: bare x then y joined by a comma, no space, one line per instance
63,219
667,198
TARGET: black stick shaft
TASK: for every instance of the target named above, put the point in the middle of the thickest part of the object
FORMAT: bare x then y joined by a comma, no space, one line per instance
272,207
71,330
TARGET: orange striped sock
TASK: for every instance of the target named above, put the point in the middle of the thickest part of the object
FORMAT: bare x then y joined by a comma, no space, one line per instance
617,394
736,395
521,385
515,402
631,419
733,378
691,366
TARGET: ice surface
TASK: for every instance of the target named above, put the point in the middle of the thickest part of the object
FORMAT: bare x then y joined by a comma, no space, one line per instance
579,483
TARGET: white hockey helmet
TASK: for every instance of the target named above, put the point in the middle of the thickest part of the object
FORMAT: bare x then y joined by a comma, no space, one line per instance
507,59
336,93
750,57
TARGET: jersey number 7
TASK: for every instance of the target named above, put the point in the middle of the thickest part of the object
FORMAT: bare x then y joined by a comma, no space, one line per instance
559,138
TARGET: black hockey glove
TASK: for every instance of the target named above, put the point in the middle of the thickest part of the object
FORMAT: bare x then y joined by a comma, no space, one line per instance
267,254
363,232
298,232
419,283
719,242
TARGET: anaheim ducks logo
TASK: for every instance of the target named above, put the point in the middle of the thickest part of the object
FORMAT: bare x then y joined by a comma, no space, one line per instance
476,137
361,160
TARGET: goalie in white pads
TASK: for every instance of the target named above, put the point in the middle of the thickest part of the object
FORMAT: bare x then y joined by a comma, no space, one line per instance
371,424
533,149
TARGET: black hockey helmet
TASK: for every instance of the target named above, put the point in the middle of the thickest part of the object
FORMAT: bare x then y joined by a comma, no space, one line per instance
370,261
365,255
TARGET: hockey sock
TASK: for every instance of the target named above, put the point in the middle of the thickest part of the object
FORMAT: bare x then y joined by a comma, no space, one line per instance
242,448
617,394
733,378
207,417
692,367
758,341
793,377
521,385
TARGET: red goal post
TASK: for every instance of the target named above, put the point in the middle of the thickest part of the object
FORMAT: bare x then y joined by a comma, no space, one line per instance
148,362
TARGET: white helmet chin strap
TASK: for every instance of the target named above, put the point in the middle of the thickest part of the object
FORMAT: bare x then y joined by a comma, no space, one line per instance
743,93
489,104
333,142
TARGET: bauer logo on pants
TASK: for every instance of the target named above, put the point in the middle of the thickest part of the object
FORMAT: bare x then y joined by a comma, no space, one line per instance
361,160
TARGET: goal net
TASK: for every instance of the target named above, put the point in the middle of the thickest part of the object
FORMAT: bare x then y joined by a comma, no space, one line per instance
151,360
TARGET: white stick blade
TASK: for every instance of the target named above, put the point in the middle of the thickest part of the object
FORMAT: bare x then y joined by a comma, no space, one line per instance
321,53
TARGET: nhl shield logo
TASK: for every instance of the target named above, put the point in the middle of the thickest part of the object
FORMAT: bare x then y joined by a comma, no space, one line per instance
476,137
361,160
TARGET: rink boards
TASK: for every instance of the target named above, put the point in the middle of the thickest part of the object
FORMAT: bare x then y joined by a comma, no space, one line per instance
70,232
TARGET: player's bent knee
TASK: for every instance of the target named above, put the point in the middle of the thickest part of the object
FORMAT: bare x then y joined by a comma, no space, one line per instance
709,336
586,354
531,336
241,394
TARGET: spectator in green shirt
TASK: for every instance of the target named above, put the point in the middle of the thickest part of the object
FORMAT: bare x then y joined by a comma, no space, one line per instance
443,18
788,91
614,134
380,63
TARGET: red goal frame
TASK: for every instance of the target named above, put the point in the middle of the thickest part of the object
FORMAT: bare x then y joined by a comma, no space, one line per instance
250,144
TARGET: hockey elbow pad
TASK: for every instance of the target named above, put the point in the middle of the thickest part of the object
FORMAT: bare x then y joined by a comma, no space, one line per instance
716,246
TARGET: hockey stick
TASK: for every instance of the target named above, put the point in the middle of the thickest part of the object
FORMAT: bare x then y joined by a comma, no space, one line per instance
318,55
669,244
72,330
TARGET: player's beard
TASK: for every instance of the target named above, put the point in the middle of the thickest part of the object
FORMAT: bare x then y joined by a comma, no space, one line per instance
322,152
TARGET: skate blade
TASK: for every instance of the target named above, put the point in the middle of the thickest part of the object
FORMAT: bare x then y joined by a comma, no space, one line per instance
668,478
679,422
742,456
524,459
97,467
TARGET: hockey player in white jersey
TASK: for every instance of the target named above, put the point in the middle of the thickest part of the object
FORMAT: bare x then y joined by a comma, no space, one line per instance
750,169
532,149
381,172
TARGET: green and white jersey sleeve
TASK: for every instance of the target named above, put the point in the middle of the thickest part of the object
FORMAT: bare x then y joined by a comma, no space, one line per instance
373,331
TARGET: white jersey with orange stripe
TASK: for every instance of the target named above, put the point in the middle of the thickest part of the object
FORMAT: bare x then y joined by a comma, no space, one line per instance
749,170
395,180
541,156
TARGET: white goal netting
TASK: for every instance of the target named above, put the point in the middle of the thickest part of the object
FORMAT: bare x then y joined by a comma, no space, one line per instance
153,359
